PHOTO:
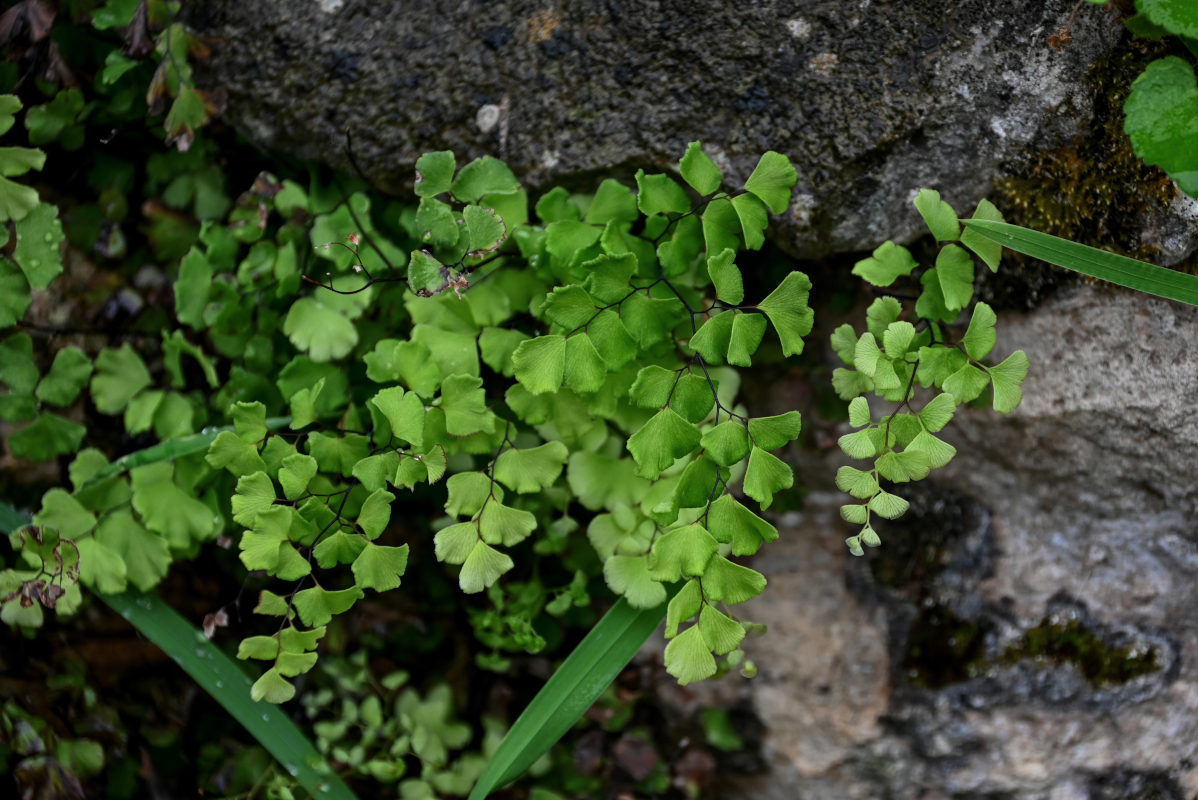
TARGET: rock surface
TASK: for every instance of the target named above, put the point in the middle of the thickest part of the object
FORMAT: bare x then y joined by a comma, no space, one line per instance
871,99
1030,629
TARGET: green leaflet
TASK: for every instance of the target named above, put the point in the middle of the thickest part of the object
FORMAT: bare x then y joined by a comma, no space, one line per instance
119,375
753,218
726,277
989,251
1007,379
661,440
698,170
39,236
540,363
766,476
714,337
434,173
533,469
979,339
771,181
787,309
939,215
629,577
613,202
689,656
954,272
888,263
659,194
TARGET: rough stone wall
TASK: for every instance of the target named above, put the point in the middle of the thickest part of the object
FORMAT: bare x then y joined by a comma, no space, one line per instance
870,99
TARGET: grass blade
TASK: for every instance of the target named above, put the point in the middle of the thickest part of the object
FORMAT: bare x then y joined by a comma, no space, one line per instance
1117,269
171,449
578,682
220,676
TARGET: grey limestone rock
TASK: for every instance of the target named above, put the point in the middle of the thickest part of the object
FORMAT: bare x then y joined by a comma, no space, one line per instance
871,99
1030,629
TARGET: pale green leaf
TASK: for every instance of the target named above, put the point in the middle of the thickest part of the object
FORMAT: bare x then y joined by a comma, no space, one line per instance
255,493
767,475
540,363
714,337
465,405
659,194
939,452
698,170
683,605
295,473
753,218
1007,379
939,216
682,552
434,173
726,443
661,440
726,277
68,374
375,513
721,633
966,383
319,330
727,582
585,369
980,337
500,524
628,576
380,567
482,568
688,657
770,433
317,606
888,506
468,491
909,465
484,229
938,411
730,522
897,339
859,483
888,263
787,309
771,181
989,251
859,444
653,386
531,469
613,202
747,333
404,412
954,271
119,375
39,239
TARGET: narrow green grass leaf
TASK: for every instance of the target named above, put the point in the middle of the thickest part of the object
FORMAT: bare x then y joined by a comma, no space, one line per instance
170,450
218,675
1126,272
578,682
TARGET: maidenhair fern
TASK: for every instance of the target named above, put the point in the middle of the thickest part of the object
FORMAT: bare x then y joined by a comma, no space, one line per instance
567,373
894,359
